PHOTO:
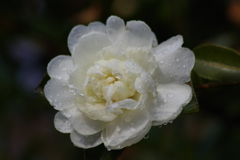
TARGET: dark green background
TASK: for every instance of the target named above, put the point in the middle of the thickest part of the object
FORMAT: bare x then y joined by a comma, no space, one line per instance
32,32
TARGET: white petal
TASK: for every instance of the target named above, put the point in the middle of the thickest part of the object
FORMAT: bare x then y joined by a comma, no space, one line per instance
175,63
138,34
134,140
127,126
176,66
60,66
76,33
58,94
169,46
145,83
97,27
126,103
85,52
97,111
167,105
115,28
154,40
85,141
77,79
62,123
86,126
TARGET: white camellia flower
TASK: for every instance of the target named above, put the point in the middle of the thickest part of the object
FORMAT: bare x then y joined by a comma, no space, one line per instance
117,83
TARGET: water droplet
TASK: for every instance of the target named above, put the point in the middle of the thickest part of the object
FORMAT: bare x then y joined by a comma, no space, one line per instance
128,119
132,130
178,66
146,136
164,100
118,128
160,126
132,123
169,58
161,62
169,64
109,148
118,75
170,95
165,52
177,60
184,66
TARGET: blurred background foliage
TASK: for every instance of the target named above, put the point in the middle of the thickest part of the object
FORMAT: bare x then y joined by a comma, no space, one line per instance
34,31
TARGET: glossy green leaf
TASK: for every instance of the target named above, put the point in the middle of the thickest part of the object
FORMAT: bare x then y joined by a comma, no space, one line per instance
192,106
217,63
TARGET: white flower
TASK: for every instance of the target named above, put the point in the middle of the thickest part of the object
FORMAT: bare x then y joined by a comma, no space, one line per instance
117,83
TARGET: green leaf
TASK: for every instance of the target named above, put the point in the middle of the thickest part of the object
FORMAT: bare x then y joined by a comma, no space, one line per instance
192,106
217,63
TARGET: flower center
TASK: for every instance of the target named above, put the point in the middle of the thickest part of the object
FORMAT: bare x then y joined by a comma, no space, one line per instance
110,80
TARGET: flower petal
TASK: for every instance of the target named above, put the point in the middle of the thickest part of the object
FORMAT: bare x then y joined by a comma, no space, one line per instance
138,35
62,123
169,46
86,141
134,140
154,40
86,126
60,66
175,63
127,126
97,27
85,52
115,28
58,94
76,33
167,105
126,103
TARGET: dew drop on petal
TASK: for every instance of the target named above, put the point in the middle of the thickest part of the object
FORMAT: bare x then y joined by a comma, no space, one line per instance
128,119
118,128
177,60
184,66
